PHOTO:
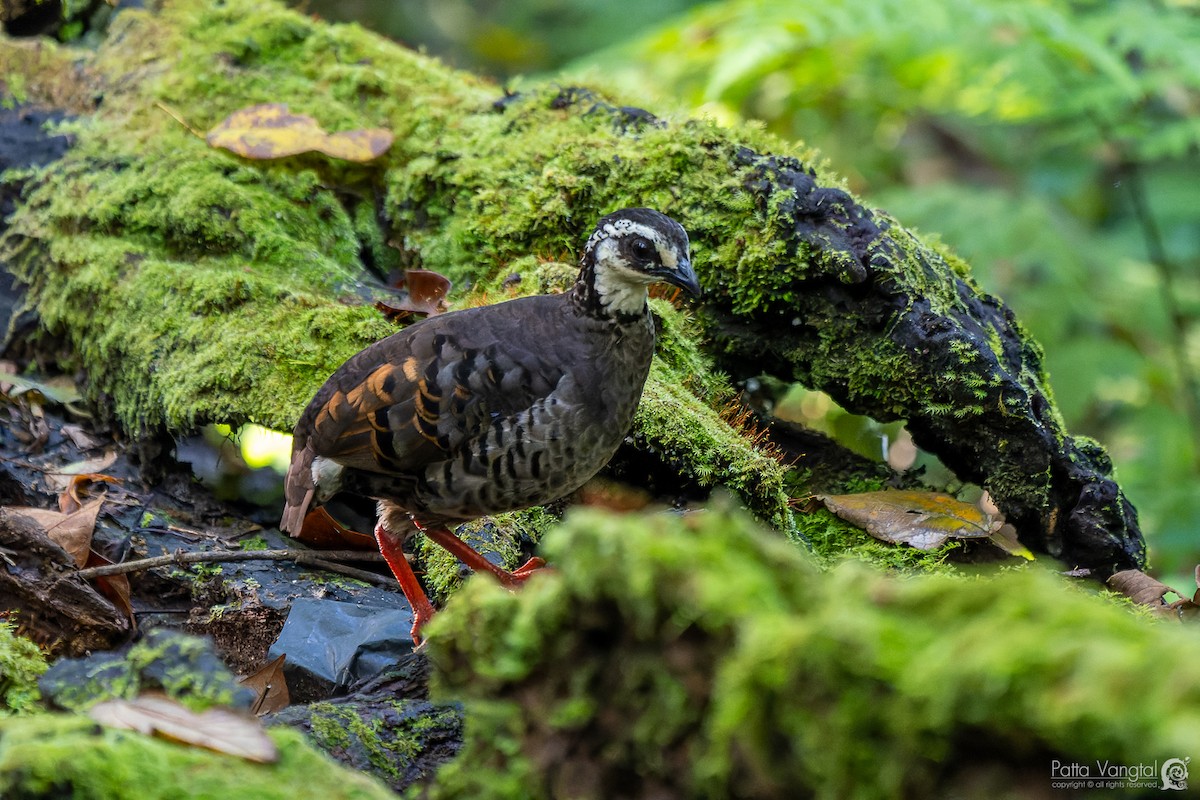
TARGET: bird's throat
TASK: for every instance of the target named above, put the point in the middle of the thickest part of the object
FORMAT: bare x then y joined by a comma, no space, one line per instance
607,293
619,295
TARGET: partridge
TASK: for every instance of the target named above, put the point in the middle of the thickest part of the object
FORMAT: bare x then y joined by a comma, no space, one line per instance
491,409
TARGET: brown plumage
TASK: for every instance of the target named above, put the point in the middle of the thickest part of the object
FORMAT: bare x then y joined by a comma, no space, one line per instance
491,409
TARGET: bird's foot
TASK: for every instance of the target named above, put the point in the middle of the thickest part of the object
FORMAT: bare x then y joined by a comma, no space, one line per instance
467,555
522,573
392,549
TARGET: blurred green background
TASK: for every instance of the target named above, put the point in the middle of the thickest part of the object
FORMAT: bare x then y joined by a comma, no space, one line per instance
1053,144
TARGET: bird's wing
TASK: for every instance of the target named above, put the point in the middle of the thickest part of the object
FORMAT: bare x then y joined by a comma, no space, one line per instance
416,397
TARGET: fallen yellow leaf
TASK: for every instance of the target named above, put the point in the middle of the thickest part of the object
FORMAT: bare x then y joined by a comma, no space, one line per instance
272,131
924,520
1006,539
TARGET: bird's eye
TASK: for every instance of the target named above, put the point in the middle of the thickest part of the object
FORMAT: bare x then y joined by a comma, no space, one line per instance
642,249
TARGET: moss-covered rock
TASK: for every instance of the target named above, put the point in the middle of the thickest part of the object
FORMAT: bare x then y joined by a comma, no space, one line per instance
397,743
47,756
699,657
184,667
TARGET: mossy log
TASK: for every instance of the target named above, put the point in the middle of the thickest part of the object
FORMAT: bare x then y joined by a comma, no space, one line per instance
193,285
699,657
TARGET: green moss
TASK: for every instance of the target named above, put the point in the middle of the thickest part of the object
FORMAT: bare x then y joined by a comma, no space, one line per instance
533,275
169,239
333,580
254,543
174,666
832,539
21,663
329,729
691,436
699,657
51,755
339,726
386,744
534,178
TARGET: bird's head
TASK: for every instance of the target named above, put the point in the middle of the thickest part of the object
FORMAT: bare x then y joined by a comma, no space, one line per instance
629,250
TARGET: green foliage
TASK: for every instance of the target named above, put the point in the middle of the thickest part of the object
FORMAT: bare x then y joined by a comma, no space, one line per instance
1054,145
510,37
701,657
844,66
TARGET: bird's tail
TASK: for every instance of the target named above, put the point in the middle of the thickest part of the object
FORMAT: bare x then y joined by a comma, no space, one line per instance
298,490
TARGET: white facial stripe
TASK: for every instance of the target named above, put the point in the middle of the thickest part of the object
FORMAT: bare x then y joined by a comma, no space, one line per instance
626,227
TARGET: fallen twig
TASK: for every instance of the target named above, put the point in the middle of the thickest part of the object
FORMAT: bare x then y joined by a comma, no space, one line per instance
324,559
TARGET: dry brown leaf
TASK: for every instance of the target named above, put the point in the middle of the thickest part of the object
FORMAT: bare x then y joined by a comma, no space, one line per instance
924,520
270,687
217,729
320,530
82,439
1151,592
72,531
115,587
427,292
1139,587
612,495
272,131
71,496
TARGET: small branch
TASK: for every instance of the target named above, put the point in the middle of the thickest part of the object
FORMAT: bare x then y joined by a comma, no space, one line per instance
321,559
363,575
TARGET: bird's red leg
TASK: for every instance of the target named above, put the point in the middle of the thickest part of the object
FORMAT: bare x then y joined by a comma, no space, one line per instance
467,555
393,554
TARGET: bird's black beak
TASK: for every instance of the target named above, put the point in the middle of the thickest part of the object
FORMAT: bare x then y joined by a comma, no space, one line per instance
682,276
